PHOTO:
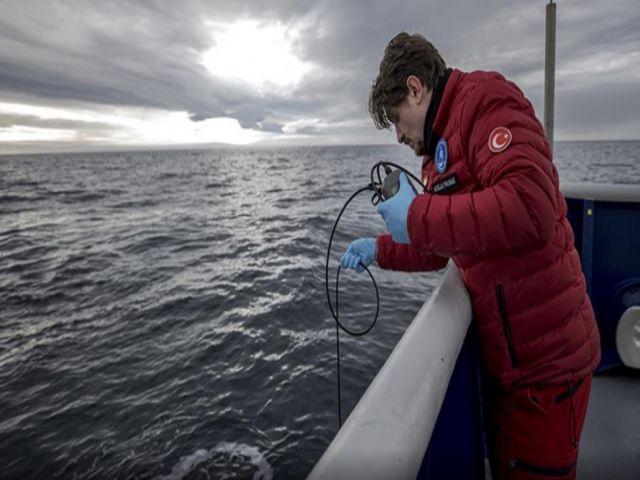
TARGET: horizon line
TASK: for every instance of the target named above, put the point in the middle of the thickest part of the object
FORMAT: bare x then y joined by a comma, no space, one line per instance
229,146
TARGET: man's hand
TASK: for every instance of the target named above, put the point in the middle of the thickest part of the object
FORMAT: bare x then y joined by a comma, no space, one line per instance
361,253
394,211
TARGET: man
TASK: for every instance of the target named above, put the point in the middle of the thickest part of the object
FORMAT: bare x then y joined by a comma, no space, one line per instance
492,204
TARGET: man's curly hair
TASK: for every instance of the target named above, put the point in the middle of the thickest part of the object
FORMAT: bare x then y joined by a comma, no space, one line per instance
405,55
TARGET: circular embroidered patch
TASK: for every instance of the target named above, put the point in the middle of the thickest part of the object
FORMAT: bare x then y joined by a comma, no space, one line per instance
442,156
499,139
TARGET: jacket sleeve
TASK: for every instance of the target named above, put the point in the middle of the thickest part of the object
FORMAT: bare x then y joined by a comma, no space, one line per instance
405,258
515,207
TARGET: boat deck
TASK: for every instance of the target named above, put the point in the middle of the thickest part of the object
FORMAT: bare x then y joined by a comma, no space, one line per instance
610,446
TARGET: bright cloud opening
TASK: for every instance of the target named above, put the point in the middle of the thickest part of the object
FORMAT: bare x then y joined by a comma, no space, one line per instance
124,126
256,54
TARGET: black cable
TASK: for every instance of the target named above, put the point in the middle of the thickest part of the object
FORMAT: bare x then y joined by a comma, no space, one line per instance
334,314
376,198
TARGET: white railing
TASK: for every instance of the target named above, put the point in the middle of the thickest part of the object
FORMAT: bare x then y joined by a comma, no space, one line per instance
387,433
601,191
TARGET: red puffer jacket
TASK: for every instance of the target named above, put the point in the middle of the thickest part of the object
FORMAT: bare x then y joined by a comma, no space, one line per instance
498,212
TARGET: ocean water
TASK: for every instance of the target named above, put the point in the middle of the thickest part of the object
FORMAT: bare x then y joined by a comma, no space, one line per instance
164,313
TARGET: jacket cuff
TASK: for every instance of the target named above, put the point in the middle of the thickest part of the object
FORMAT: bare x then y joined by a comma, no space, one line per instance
381,249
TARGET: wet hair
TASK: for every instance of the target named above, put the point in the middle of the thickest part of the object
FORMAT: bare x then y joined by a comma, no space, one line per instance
405,55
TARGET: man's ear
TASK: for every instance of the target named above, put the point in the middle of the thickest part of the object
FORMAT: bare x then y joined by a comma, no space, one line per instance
416,89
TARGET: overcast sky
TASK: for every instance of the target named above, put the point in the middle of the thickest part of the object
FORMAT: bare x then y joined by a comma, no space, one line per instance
83,75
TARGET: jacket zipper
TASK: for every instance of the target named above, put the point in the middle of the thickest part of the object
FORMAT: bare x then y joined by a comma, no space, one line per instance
505,324
548,471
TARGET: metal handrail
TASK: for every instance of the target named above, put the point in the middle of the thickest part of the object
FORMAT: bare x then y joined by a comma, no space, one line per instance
601,191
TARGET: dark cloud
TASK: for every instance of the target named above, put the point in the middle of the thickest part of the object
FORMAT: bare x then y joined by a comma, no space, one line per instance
579,112
13,120
55,85
270,126
148,54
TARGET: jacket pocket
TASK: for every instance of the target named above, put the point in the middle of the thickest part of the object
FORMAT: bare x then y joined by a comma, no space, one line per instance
538,470
502,304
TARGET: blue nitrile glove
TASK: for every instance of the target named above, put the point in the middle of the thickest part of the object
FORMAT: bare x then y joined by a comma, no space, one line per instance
360,252
394,211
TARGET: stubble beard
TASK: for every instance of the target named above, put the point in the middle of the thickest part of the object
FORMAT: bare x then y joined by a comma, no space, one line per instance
419,150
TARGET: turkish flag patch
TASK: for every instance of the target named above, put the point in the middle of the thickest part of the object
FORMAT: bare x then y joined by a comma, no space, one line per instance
499,139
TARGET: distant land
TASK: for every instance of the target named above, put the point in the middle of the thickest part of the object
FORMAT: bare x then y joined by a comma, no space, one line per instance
53,148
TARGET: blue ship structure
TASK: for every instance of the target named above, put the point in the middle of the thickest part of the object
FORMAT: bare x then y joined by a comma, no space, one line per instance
606,224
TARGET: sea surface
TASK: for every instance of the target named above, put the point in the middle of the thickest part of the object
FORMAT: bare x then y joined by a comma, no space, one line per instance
163,314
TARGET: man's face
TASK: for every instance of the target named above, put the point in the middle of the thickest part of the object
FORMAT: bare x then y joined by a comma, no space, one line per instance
409,116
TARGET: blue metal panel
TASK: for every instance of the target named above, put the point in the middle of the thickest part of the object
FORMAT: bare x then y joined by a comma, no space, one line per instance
588,225
457,448
617,243
608,240
574,214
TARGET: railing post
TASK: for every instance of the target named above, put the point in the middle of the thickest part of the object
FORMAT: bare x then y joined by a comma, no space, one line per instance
550,70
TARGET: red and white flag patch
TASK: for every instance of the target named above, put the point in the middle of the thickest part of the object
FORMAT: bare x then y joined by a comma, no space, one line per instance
499,139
